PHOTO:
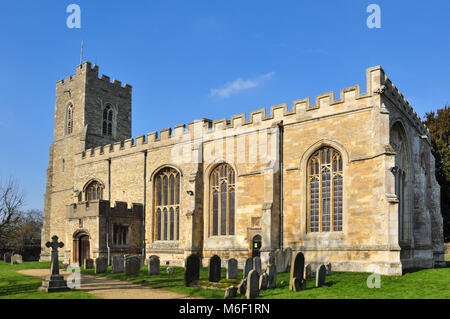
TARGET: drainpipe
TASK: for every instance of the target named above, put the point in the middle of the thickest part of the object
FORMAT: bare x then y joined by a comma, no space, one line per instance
280,157
107,219
143,206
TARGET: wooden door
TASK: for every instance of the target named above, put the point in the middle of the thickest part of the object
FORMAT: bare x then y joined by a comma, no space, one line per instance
83,249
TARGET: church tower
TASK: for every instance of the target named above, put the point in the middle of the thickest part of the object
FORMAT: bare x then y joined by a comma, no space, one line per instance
89,112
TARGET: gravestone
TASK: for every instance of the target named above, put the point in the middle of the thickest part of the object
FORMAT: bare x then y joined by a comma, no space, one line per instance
271,258
132,265
252,290
89,263
272,273
230,292
257,265
214,269
308,273
248,265
16,259
191,269
7,258
296,275
169,270
263,281
117,264
101,264
279,261
320,276
232,269
242,288
328,266
54,282
153,265
287,256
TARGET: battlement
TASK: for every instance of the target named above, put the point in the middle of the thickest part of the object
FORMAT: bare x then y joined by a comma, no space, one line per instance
102,208
86,68
326,104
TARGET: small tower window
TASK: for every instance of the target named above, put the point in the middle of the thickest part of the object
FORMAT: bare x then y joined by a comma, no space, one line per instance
70,119
107,121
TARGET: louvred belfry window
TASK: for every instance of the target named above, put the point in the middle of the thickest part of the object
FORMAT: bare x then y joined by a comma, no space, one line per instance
325,187
222,200
167,204
70,120
107,121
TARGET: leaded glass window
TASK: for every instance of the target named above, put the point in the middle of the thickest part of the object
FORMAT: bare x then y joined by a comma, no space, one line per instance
94,191
167,204
222,202
325,186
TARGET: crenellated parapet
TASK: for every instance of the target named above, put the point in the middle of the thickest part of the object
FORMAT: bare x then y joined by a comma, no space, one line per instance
324,105
86,68
102,208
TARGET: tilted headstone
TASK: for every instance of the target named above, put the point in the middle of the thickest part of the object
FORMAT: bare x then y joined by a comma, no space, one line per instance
242,288
263,281
248,265
191,269
153,265
16,259
117,264
230,292
272,273
257,265
101,264
7,258
252,290
271,258
321,272
214,269
54,282
232,269
89,263
308,273
132,265
297,268
328,266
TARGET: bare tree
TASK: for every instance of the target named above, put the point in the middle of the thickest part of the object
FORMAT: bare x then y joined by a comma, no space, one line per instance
11,201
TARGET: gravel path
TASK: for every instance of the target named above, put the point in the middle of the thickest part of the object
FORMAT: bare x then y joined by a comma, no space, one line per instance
108,288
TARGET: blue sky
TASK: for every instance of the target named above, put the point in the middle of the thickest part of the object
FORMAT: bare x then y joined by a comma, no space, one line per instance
207,59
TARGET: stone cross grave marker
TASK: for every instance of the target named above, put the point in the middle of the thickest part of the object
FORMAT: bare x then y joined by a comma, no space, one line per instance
54,282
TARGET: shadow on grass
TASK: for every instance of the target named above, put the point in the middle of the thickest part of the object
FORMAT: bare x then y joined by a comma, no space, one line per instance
17,289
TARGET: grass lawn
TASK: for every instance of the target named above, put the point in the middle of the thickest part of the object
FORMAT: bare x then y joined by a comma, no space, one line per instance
17,286
428,283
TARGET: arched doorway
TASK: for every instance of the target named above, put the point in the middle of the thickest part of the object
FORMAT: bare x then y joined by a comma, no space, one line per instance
256,246
81,248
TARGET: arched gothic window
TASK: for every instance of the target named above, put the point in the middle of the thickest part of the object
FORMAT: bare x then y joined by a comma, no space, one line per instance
325,181
222,200
107,121
167,185
94,191
69,120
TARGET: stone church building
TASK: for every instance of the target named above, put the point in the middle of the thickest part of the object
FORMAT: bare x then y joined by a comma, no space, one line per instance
347,180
